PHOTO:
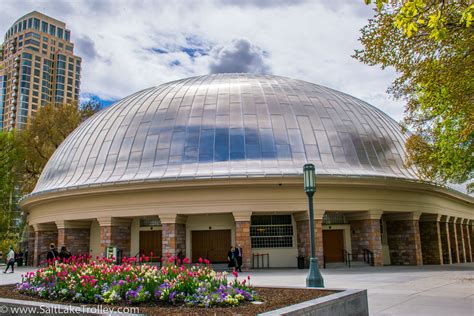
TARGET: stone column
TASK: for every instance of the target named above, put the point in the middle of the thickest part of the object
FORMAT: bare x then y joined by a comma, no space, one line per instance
318,235
31,246
454,240
302,236
173,234
75,235
403,234
45,234
430,237
470,227
445,240
366,234
467,240
115,232
242,236
460,237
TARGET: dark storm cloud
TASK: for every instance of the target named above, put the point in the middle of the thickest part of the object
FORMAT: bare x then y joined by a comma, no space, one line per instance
86,48
238,57
262,3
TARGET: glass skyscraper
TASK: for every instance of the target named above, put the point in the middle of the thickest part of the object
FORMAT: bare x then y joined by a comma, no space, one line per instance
37,67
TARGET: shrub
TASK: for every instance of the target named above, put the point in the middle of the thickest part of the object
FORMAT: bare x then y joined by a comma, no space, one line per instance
86,281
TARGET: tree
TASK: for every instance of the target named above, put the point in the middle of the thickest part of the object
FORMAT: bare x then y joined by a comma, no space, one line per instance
89,108
430,44
47,130
11,158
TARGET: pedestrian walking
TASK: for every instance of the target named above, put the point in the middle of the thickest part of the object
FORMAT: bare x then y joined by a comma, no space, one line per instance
10,260
239,255
231,258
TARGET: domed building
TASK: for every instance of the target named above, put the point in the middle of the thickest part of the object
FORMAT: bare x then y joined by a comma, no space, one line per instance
194,166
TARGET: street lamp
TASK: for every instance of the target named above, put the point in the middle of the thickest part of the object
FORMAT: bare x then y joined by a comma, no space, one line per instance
314,278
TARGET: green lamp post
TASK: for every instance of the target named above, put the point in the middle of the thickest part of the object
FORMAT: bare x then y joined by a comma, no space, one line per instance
314,278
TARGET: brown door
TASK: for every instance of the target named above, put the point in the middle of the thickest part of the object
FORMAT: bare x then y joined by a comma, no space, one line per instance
150,243
333,243
210,244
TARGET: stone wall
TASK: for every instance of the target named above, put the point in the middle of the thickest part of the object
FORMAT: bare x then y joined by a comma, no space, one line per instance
42,241
242,238
445,242
460,238
31,246
115,236
318,233
76,240
430,238
467,243
454,243
365,234
404,242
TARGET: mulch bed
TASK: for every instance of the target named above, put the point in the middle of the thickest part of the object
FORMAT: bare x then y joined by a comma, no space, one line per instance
273,298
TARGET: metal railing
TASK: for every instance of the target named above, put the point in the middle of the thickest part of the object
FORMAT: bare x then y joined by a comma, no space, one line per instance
347,257
368,256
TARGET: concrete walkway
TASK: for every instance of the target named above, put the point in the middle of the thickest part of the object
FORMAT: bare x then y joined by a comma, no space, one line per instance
427,290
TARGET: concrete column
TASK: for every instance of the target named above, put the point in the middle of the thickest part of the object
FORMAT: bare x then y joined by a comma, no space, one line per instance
467,240
445,240
454,240
115,232
45,234
173,234
75,235
403,234
460,237
430,237
366,234
302,236
242,235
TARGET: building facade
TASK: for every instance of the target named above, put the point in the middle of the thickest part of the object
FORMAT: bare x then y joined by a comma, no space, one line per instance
194,166
37,67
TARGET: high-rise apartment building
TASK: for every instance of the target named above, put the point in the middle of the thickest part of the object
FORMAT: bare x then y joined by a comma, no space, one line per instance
37,67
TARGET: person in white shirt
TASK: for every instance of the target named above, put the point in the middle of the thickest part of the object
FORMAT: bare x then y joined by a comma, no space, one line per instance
10,260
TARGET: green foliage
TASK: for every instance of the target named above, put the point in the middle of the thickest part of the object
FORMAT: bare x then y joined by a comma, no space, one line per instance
430,45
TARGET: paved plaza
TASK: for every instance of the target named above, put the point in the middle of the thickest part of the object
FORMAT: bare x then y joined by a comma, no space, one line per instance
426,290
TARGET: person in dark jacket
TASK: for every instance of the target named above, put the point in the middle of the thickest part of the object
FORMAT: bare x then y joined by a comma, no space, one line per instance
64,254
231,258
238,256
53,254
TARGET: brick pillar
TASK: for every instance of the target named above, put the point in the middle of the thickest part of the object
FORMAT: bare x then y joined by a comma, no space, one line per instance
115,232
45,234
470,227
403,235
173,234
460,237
242,236
454,240
430,237
75,235
302,237
30,246
467,240
366,234
318,233
445,240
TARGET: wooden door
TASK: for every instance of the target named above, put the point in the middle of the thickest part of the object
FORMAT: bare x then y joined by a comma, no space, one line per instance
150,243
333,243
211,244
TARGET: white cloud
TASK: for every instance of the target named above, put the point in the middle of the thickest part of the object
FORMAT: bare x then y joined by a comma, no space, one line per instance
131,45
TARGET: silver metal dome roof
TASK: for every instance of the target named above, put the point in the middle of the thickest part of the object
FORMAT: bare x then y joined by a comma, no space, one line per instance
228,125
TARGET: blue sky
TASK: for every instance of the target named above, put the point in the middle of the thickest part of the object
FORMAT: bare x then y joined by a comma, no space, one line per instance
128,46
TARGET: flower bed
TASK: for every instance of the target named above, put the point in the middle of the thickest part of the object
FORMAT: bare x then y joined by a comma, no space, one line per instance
85,281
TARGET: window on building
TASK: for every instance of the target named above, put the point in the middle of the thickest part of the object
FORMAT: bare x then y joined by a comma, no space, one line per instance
30,23
52,30
44,27
271,231
36,23
150,221
60,32
67,35
24,24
